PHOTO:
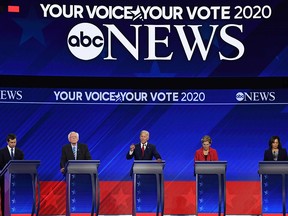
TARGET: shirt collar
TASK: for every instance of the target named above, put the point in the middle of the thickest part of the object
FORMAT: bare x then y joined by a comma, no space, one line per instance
74,145
9,148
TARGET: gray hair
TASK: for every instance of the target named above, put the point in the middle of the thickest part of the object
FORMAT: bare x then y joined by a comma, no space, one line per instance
77,134
145,131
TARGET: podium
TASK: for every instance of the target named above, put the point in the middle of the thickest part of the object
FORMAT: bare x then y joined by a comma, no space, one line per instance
21,187
148,187
82,187
274,186
211,187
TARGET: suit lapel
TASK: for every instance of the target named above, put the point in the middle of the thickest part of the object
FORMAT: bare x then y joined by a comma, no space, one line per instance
8,156
138,151
70,152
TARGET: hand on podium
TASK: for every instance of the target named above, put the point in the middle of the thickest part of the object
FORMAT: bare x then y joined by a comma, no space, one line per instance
62,170
159,160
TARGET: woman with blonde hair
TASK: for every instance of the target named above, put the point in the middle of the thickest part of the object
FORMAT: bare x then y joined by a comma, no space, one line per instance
206,153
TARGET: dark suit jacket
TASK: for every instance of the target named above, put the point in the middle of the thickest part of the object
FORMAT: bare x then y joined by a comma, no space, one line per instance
4,159
282,155
67,153
149,153
5,156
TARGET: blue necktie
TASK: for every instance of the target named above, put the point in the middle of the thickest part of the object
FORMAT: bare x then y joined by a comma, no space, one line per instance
12,153
74,152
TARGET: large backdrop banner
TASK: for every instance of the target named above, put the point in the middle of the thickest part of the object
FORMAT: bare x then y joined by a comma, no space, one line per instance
144,39
108,69
240,123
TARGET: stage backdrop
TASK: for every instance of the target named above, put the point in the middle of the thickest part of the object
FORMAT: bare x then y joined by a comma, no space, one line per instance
144,39
240,123
136,40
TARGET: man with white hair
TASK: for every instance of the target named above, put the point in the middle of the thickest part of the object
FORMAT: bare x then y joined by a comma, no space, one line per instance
143,150
73,150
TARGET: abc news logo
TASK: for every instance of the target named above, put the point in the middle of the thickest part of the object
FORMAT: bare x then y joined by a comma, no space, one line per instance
85,41
255,96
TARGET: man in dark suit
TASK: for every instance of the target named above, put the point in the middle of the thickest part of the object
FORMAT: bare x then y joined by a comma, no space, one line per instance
73,151
143,150
9,152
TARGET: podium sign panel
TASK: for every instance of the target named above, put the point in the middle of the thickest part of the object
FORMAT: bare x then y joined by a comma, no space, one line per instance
274,184
82,187
21,187
148,187
210,187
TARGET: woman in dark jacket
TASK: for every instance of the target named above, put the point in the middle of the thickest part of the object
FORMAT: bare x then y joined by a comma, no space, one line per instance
275,151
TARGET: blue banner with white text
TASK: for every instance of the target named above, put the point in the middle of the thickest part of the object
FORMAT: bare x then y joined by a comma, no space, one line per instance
237,120
144,39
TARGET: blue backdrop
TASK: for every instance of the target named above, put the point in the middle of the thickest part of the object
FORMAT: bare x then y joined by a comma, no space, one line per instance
34,40
240,128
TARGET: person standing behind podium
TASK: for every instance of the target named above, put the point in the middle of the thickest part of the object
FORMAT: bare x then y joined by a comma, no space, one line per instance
143,150
73,150
9,152
206,153
275,152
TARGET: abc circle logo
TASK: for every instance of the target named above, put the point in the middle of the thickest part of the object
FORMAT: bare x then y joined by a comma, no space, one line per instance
85,41
239,96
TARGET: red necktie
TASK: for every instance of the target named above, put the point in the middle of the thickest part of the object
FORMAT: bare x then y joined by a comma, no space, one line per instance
143,150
